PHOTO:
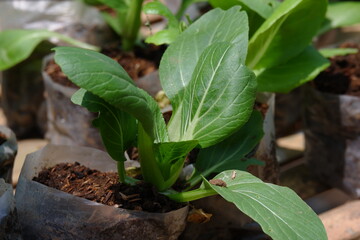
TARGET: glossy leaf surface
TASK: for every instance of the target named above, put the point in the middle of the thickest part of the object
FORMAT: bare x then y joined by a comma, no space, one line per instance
117,128
179,60
231,153
299,70
218,100
106,79
279,211
17,45
284,35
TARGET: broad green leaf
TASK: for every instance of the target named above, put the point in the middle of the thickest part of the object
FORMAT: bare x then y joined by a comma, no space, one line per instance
106,79
283,35
218,100
341,14
159,8
263,8
166,36
257,10
179,60
117,128
287,76
17,45
332,52
230,153
279,211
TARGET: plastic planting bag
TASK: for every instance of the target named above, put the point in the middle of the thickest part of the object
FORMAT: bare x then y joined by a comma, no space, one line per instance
9,226
47,213
8,151
22,86
332,133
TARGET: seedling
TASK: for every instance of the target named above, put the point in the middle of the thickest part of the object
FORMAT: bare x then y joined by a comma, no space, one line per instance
212,93
280,50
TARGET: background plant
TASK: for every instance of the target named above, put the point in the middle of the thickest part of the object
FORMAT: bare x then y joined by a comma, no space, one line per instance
18,44
280,49
212,92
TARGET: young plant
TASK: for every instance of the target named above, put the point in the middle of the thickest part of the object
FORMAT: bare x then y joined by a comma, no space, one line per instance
17,45
212,92
280,50
174,26
126,19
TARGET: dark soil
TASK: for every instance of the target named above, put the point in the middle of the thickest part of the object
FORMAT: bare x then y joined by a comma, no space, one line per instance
137,64
104,188
262,108
343,75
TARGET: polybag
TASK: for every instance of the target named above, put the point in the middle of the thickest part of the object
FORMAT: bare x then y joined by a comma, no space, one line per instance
22,87
9,226
332,134
47,213
8,151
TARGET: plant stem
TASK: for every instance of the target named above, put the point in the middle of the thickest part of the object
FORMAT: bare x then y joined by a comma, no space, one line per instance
131,27
121,171
191,195
76,42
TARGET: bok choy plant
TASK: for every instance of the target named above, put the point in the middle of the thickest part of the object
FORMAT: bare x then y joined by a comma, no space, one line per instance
18,44
212,93
280,49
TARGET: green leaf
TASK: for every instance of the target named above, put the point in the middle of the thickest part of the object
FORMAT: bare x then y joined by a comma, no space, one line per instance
170,158
283,35
106,79
287,76
279,211
113,22
161,163
179,60
341,14
117,128
218,100
158,8
263,8
230,153
257,10
332,52
166,36
17,45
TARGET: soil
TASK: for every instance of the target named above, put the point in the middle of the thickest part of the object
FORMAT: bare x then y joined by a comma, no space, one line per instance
343,75
262,108
103,187
137,64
